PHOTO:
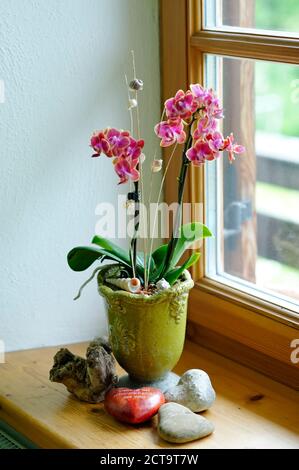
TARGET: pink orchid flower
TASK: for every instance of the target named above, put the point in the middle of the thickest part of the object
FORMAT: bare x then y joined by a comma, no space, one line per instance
171,131
126,169
215,141
99,143
133,150
121,145
205,125
213,108
198,92
118,141
232,148
200,152
208,100
182,105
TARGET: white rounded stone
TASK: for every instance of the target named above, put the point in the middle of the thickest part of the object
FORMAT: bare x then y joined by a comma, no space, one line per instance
194,390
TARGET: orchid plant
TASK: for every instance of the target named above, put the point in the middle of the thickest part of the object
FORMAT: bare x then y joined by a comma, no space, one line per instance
190,119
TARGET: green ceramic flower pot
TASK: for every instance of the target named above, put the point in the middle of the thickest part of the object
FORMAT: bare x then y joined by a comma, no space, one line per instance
147,333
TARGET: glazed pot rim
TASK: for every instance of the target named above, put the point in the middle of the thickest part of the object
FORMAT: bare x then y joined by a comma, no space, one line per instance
177,289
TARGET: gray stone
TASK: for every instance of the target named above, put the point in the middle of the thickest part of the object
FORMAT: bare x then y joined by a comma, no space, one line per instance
178,424
194,390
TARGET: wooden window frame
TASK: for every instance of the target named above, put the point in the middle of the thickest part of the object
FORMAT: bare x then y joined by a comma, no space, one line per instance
248,329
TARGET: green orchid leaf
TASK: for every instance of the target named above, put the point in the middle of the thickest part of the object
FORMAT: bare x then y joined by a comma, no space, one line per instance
189,234
175,273
118,253
159,254
155,275
81,257
113,257
111,248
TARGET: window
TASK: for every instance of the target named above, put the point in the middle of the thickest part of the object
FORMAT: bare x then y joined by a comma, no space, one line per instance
255,215
262,16
246,299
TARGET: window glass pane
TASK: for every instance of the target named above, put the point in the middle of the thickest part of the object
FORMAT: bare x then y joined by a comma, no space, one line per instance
253,205
269,15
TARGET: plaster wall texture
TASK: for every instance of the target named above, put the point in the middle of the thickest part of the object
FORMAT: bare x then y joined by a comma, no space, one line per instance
62,63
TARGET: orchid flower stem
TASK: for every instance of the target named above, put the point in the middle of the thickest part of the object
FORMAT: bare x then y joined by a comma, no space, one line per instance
147,270
144,227
181,186
158,200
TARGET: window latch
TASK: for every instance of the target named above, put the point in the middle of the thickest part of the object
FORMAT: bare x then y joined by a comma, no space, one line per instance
235,215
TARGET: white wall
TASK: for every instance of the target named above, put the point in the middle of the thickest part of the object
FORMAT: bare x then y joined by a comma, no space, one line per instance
63,64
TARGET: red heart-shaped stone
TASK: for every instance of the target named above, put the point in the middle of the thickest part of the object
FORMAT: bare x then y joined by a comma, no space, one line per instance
133,406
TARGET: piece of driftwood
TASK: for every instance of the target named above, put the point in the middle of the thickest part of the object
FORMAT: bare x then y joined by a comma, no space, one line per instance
88,379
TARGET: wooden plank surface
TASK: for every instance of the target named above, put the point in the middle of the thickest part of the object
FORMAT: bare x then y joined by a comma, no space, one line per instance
251,411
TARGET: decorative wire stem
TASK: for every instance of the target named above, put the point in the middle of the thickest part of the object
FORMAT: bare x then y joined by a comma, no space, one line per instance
130,110
133,251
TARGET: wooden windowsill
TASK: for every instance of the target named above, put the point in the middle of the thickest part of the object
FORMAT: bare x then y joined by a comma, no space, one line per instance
251,411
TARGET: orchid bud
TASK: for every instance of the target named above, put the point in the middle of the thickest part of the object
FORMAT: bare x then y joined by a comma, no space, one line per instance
136,84
141,158
157,165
